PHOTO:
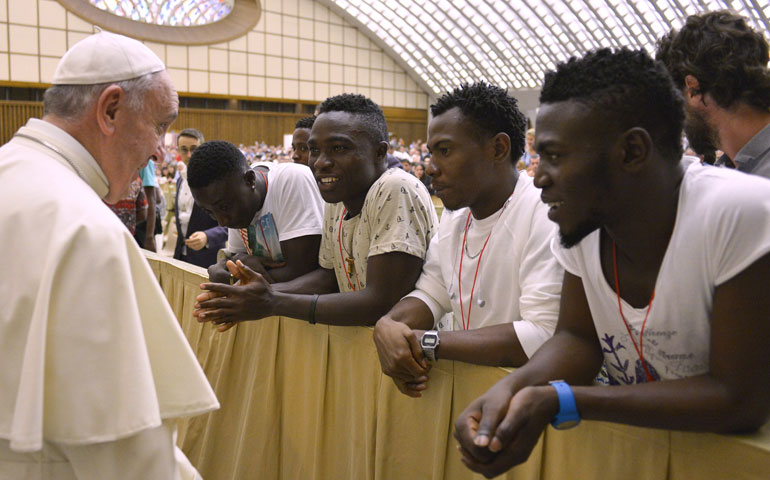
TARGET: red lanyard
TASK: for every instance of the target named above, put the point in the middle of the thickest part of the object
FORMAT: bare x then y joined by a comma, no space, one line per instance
639,349
244,231
342,257
467,322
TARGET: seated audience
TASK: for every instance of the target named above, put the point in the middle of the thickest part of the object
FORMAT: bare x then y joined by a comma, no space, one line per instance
377,225
490,264
665,281
273,211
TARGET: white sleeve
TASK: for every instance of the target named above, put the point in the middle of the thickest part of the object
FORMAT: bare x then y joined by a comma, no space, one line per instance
149,454
540,278
740,235
430,287
298,207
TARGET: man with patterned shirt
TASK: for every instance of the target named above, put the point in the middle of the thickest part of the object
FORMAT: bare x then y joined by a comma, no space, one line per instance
132,208
377,226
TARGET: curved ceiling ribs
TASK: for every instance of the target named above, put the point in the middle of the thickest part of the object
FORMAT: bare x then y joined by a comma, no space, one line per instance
444,43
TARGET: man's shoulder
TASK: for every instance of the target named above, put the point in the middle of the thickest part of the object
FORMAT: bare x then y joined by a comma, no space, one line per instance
724,187
290,172
398,180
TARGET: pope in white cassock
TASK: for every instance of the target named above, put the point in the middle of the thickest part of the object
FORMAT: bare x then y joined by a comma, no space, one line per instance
94,368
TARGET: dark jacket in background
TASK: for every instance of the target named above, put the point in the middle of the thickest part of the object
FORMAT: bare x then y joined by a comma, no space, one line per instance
200,221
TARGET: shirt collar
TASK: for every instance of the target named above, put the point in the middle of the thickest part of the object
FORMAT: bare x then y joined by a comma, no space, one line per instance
747,157
69,151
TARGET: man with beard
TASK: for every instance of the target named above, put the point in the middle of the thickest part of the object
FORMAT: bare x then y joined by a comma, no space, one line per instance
665,281
720,64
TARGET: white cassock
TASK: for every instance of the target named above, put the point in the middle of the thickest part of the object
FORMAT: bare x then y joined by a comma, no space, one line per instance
94,367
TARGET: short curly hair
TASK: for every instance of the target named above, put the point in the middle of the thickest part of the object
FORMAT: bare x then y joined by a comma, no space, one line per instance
306,122
213,161
360,106
631,88
490,110
728,58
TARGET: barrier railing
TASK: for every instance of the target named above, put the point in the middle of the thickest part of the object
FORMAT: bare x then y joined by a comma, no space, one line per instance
309,401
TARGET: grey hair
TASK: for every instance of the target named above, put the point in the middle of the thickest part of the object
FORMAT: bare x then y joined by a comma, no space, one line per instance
71,101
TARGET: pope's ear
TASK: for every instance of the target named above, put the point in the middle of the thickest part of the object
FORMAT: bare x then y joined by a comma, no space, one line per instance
109,105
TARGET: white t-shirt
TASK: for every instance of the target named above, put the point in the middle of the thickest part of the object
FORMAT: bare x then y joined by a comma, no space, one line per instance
397,216
518,281
295,205
722,227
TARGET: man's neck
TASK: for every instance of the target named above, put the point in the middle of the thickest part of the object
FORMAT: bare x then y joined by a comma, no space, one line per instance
737,126
354,205
643,229
503,187
260,190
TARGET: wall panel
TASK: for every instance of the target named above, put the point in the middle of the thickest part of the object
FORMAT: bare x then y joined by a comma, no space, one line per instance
231,125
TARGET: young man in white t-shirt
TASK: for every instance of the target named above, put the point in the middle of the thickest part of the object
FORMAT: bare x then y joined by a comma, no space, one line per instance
490,265
273,211
667,268
377,226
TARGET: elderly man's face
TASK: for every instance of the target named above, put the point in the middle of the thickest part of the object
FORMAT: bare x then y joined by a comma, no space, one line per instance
139,136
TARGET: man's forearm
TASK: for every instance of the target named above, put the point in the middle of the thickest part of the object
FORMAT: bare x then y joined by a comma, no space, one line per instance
412,312
360,308
496,345
320,281
700,403
563,357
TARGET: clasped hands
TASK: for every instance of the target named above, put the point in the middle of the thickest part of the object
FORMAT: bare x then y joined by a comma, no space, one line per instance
401,356
499,429
250,298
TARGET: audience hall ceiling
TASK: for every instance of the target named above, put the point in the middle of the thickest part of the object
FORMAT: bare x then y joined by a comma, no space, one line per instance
512,43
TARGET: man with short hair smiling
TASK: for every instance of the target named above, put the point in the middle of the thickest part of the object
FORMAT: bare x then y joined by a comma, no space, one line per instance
720,65
490,265
299,149
377,226
199,237
269,229
667,268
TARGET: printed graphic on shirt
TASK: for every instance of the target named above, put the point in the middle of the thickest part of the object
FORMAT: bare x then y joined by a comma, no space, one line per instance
263,239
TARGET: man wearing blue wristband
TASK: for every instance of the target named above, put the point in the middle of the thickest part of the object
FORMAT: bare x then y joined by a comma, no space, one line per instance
667,267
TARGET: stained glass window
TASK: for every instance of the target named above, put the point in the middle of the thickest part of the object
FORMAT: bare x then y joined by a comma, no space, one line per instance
174,13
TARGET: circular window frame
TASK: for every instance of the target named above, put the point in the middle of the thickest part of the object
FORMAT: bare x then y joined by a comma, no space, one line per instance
241,20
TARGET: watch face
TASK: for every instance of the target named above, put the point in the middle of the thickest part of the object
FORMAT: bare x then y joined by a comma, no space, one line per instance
429,341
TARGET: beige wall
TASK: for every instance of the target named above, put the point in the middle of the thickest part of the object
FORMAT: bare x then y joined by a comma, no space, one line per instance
299,50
